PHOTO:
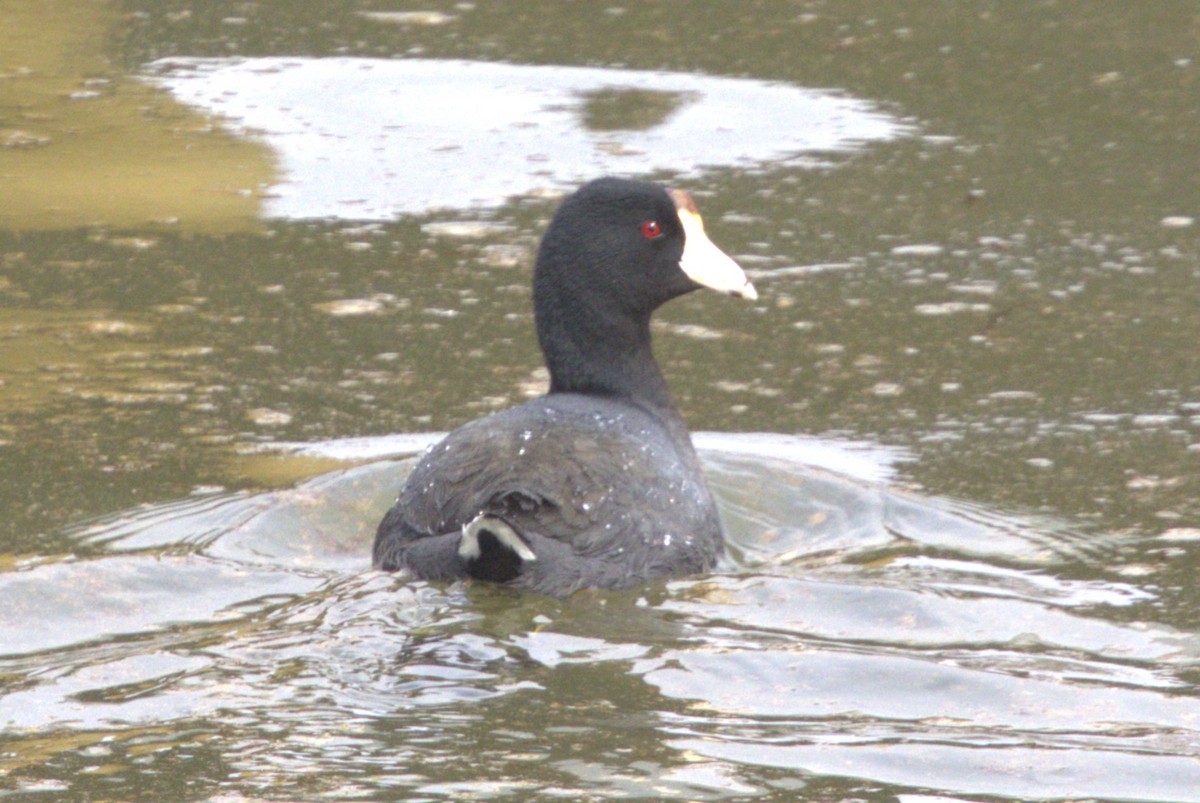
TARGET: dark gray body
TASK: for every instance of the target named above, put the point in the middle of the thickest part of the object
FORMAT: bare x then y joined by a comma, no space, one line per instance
605,491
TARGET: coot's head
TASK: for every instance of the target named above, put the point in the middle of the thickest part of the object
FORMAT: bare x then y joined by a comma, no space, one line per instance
615,251
632,246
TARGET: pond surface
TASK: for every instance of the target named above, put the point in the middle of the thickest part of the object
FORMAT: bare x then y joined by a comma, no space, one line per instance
372,139
239,641
955,441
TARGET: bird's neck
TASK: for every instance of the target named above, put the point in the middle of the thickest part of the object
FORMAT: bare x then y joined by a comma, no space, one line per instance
593,353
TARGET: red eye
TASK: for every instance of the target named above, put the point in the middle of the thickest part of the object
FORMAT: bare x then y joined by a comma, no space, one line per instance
651,229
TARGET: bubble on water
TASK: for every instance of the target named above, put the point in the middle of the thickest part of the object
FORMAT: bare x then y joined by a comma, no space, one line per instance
918,250
462,229
347,307
1181,535
950,308
265,417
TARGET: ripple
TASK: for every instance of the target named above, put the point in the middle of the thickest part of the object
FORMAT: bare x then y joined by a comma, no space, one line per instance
855,631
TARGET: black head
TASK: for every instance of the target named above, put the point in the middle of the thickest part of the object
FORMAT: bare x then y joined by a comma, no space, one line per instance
615,251
621,244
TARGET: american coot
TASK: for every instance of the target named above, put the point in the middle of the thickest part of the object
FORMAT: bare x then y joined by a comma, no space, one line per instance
595,484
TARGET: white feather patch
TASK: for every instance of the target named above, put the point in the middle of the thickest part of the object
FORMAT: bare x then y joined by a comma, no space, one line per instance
469,549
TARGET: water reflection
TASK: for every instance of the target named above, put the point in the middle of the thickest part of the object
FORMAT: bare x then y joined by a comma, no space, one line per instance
370,139
893,638
623,109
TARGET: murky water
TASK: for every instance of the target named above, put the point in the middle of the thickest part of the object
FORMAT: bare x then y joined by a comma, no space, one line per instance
956,440
239,641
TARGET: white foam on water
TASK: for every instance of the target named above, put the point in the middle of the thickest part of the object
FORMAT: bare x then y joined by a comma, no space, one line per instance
372,139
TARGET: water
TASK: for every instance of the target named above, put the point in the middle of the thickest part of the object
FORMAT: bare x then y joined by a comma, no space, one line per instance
955,439
239,643
407,136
